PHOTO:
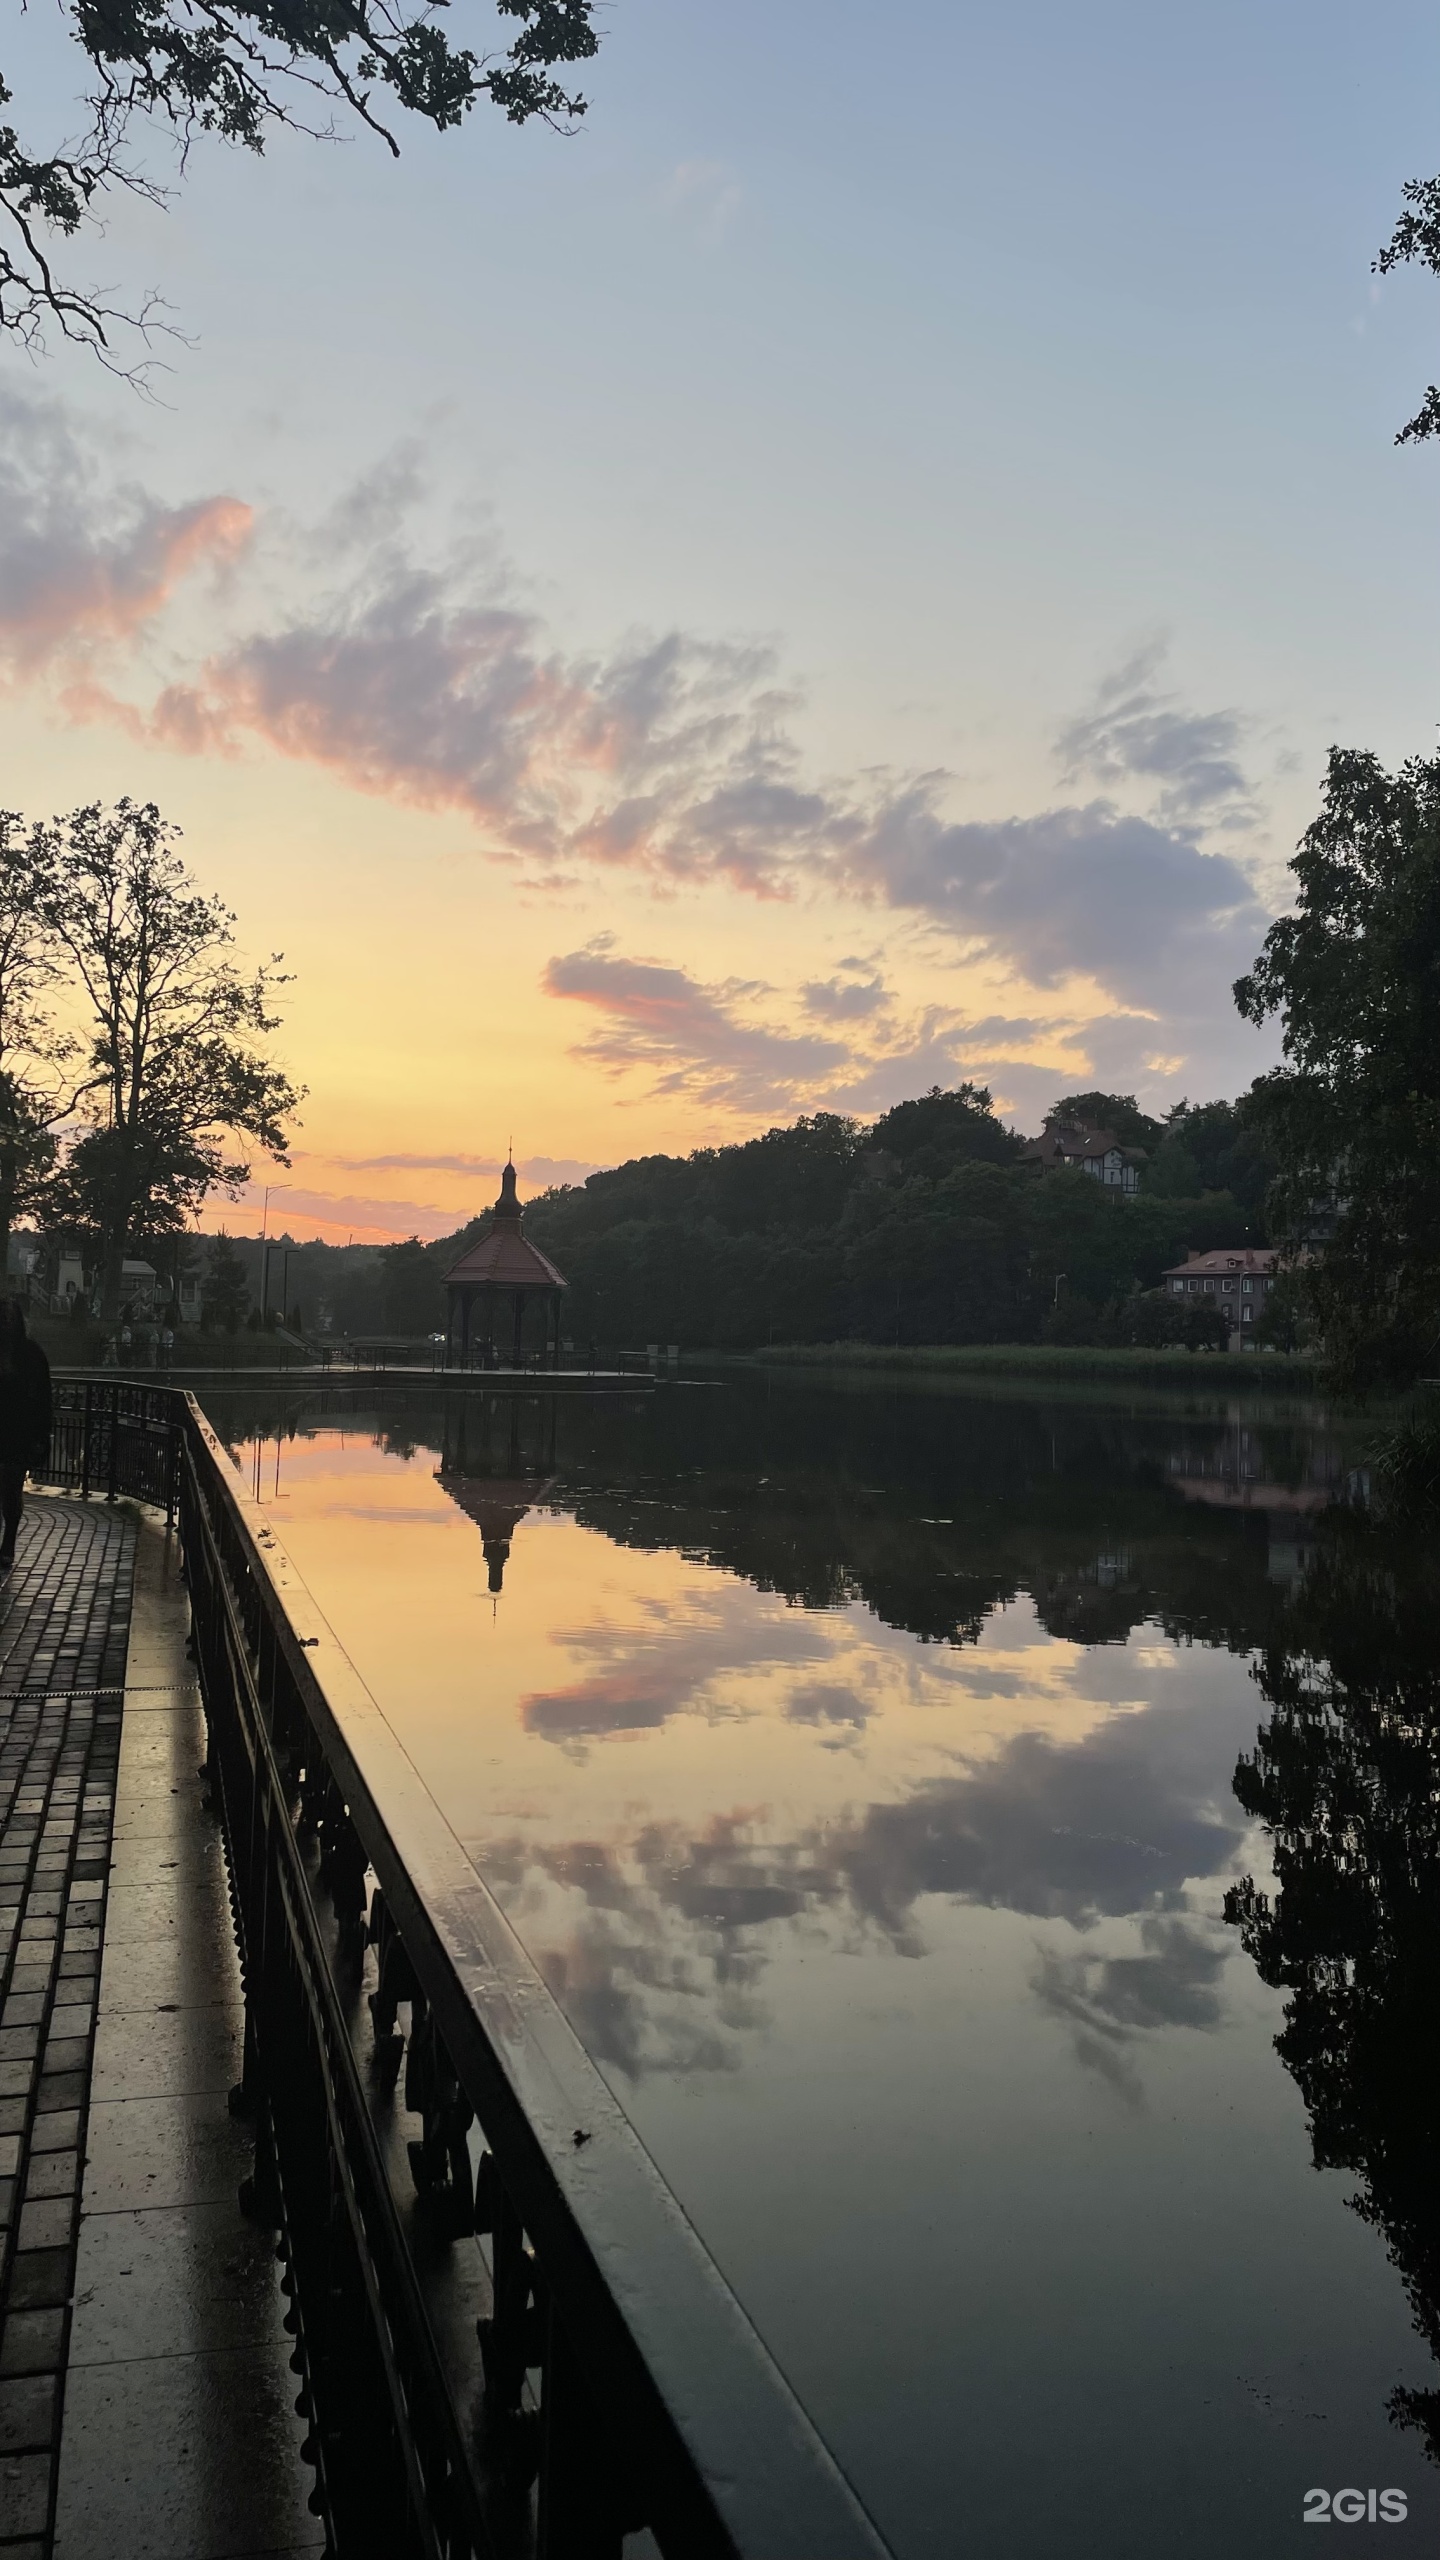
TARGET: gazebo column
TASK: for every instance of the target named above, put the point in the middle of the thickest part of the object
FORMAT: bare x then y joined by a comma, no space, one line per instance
519,1321
465,1297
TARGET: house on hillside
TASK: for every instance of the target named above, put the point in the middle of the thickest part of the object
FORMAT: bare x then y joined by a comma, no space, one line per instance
1067,1144
1238,1280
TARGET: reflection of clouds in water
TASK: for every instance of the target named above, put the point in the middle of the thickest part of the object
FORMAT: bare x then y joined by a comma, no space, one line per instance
667,1665
1016,1656
666,1660
1108,2001
1118,1675
648,1950
834,1703
1107,1825
657,1947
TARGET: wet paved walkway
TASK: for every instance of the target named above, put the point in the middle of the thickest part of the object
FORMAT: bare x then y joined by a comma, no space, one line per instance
64,1627
146,2399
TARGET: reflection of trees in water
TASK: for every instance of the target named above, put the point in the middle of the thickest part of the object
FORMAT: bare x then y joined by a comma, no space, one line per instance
1346,1775
934,1516
930,1509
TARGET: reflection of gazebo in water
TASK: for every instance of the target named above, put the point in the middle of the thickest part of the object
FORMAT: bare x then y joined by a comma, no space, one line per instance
497,1475
503,1265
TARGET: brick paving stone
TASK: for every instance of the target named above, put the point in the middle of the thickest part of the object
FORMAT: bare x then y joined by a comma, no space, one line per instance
39,2281
58,2131
24,2493
64,1634
33,2341
29,2408
46,2224
51,2173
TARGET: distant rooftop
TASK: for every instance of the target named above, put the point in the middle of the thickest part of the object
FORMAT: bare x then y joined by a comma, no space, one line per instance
1232,1257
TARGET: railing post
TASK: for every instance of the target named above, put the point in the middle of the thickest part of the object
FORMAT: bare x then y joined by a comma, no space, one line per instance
579,2515
85,1430
112,1483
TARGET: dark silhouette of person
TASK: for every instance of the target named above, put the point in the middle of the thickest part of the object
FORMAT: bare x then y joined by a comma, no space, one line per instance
24,1420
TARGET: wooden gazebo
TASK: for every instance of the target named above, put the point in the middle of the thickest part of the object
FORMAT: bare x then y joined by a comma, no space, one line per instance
504,1268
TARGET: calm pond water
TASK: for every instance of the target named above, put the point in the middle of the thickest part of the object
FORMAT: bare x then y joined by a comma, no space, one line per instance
859,1765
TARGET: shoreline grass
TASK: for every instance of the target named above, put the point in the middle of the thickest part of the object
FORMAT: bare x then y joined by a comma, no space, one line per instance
1212,1370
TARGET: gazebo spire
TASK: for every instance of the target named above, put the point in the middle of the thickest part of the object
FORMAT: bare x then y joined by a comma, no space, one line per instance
508,1205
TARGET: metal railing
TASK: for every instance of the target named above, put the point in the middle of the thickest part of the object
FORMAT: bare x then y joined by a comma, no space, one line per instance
610,2384
112,1436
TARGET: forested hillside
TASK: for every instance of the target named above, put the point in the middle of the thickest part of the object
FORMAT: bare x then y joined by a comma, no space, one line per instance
925,1227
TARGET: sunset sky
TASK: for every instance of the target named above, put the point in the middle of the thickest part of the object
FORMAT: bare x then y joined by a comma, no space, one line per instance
838,577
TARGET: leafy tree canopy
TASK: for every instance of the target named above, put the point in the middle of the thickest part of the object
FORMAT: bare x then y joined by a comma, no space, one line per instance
1213,1146
1353,1116
173,1076
940,1130
36,1054
224,1296
412,1297
238,69
1115,1111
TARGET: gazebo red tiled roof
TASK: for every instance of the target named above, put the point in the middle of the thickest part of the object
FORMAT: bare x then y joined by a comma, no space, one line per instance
505,1259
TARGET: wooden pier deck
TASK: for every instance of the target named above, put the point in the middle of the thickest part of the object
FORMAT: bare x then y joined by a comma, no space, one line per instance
146,2397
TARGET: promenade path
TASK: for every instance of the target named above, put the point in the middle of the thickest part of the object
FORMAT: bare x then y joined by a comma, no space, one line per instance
146,2396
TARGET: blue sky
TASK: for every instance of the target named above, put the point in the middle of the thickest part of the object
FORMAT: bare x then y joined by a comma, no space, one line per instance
994,407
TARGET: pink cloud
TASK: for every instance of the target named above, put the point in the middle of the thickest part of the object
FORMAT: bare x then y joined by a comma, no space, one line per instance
79,563
336,1214
674,758
699,1037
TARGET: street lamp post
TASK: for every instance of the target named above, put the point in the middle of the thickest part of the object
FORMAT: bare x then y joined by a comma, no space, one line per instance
265,1248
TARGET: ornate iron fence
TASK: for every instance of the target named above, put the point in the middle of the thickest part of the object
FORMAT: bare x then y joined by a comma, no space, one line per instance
509,2339
113,1436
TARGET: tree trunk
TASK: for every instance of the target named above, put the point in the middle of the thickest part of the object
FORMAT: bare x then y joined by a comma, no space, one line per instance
8,1192
113,1279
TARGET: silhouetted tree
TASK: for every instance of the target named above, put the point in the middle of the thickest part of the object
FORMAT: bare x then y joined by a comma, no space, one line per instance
1118,1112
1415,240
36,1053
1353,1116
411,1292
224,1296
1214,1146
173,1070
937,1131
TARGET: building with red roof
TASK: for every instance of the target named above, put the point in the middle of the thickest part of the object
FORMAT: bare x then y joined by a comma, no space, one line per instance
1237,1279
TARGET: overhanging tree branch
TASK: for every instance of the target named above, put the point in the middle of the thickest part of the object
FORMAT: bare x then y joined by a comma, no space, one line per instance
238,69
1415,241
